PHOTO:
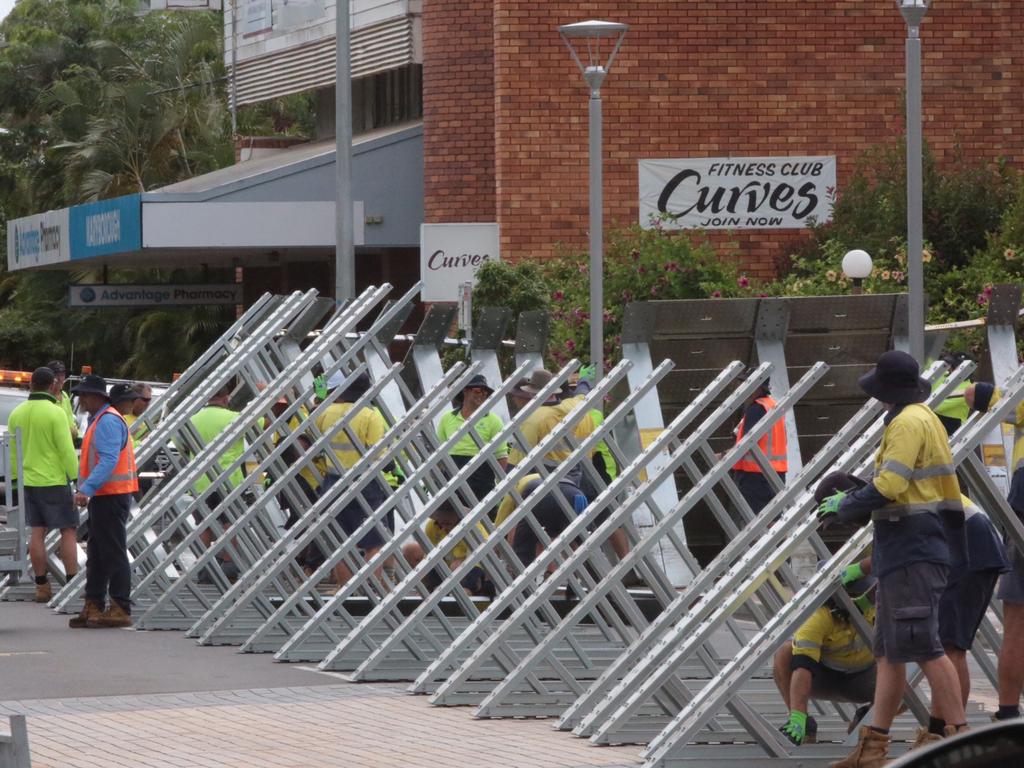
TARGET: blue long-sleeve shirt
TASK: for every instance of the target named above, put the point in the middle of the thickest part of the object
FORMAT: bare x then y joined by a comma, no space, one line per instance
109,438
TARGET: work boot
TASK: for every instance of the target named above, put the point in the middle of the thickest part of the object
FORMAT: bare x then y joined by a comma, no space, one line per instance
871,752
924,738
91,609
44,592
113,618
953,730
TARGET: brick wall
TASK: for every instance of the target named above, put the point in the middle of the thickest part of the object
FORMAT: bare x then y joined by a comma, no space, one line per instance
458,105
698,78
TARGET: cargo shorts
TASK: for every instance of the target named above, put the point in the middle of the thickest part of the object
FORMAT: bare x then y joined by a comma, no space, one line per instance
907,613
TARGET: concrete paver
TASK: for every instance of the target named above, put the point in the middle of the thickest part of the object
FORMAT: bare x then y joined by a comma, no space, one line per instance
126,699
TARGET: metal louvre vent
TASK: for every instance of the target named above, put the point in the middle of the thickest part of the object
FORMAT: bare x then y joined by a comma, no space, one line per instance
375,49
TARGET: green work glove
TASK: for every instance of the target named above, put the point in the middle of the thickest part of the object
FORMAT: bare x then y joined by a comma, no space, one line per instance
320,387
588,373
796,728
852,573
829,508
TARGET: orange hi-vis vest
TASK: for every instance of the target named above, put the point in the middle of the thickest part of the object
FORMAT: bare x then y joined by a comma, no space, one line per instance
772,445
125,477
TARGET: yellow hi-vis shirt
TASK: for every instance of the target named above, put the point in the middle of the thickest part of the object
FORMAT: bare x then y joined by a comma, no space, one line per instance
307,473
1017,462
509,503
914,466
833,642
367,426
435,533
546,418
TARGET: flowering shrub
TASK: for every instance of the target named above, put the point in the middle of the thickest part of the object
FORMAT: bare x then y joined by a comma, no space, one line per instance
639,265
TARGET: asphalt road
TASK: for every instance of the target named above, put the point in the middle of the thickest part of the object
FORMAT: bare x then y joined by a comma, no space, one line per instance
41,658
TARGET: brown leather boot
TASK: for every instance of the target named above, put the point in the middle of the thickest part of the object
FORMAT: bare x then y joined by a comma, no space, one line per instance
953,730
114,617
924,738
871,752
44,592
81,621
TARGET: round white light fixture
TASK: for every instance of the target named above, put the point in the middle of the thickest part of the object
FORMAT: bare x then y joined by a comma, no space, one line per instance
857,264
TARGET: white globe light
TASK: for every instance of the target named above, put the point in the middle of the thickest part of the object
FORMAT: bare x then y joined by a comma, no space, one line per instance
857,264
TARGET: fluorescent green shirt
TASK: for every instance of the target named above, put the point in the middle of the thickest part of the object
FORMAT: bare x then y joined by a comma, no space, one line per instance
209,422
65,405
487,427
47,452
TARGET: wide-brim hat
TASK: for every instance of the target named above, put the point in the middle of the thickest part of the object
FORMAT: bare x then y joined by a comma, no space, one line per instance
835,482
896,379
354,388
478,382
120,393
537,381
91,384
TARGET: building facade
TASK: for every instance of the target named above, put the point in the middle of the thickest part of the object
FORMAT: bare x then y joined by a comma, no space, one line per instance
505,108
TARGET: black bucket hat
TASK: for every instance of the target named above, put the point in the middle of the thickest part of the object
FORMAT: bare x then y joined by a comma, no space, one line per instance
355,388
478,382
91,384
120,393
896,379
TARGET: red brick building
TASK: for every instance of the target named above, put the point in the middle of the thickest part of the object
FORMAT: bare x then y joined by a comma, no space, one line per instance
505,109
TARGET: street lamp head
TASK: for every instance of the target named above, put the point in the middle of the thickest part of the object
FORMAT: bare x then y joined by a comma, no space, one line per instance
587,41
913,11
857,264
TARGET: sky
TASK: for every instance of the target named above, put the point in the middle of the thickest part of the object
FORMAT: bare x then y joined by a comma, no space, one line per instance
5,7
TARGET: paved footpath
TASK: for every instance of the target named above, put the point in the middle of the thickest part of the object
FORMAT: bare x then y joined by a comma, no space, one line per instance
126,699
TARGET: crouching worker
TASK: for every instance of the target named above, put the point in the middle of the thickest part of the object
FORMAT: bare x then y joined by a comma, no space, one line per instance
550,513
827,661
440,524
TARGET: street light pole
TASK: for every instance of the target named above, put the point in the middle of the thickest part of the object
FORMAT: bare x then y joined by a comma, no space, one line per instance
596,229
913,13
344,225
594,73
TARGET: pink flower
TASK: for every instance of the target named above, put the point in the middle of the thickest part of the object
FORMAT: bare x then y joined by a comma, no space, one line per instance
743,282
558,295
634,255
672,266
988,290
583,269
607,316
982,299
654,290
627,295
716,294
762,295
570,344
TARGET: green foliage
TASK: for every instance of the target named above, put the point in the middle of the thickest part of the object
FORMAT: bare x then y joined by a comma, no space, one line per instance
974,227
639,265
99,101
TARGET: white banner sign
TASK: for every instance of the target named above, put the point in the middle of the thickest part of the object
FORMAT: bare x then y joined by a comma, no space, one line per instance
33,241
450,254
737,192
153,295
